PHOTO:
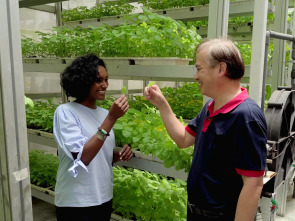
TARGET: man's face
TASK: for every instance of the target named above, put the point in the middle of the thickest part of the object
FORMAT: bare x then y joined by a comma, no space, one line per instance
205,75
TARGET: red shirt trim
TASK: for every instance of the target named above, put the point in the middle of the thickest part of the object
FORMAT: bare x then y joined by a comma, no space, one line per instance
226,108
191,132
250,173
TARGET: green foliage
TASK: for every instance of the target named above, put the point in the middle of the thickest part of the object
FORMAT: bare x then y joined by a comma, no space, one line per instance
185,101
245,50
144,130
148,35
29,102
124,90
141,126
140,195
166,4
30,47
111,8
43,169
151,83
106,103
41,115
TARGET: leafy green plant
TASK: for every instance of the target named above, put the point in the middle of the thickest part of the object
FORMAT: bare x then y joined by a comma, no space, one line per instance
29,47
107,103
185,101
124,90
151,83
140,195
110,8
166,4
245,50
43,169
29,102
144,130
41,115
148,35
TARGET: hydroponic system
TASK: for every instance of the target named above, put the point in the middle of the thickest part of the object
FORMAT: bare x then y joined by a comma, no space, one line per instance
141,42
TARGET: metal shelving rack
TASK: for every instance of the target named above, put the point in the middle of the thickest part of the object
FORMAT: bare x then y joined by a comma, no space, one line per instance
12,49
140,161
193,13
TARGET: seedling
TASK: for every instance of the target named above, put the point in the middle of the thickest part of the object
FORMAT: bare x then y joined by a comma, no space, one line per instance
124,90
151,83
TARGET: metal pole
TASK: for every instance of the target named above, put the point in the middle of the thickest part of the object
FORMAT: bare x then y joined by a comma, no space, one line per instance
258,50
267,40
279,47
15,187
291,38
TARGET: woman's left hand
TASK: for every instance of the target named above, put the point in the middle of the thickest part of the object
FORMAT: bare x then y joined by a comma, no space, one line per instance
125,154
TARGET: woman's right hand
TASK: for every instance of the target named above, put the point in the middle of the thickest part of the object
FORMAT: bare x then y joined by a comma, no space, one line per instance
119,107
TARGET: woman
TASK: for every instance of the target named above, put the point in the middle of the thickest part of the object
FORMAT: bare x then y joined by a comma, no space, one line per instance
86,142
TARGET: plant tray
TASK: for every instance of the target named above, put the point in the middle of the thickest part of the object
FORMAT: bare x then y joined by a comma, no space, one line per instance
116,60
147,60
44,61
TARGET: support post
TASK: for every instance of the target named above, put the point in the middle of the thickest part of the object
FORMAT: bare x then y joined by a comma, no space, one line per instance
218,18
258,47
279,47
15,188
217,22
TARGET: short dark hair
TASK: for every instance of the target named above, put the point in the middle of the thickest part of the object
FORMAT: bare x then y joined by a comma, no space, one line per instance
78,77
224,50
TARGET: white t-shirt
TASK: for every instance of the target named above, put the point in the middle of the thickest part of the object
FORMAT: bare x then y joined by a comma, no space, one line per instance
76,184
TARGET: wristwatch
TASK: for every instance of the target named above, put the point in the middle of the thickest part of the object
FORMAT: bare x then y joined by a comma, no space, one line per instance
102,134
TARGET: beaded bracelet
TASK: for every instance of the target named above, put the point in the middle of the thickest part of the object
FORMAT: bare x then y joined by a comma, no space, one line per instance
102,134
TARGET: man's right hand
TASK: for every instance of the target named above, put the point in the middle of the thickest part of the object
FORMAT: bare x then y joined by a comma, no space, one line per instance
154,95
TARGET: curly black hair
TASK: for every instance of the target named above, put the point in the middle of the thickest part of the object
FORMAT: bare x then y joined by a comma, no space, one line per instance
78,77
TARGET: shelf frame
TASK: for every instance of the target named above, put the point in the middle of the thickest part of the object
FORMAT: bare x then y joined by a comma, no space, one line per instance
30,3
139,161
193,13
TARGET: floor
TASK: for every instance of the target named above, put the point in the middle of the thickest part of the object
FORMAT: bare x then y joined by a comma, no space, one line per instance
43,211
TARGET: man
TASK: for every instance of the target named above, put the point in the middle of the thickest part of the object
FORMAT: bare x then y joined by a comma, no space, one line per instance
229,134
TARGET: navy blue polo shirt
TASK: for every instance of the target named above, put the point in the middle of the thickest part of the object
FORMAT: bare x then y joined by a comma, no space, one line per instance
230,142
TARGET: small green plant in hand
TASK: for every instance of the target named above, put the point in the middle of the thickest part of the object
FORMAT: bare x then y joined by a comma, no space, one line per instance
124,90
151,83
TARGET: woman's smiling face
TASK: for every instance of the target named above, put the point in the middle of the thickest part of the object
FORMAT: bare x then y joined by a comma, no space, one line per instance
99,87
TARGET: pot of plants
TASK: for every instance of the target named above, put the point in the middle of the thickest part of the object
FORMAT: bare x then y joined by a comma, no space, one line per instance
146,60
52,61
162,61
69,60
30,60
